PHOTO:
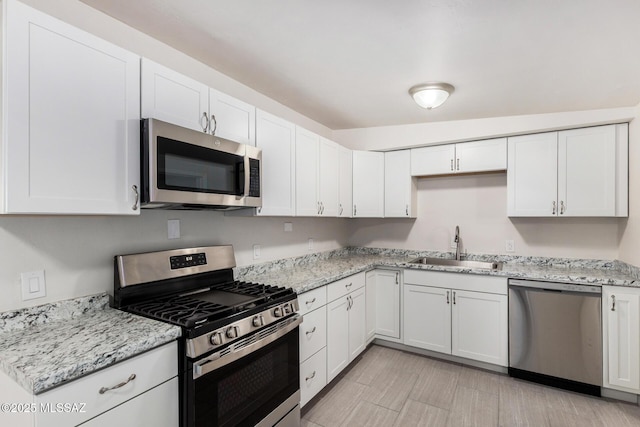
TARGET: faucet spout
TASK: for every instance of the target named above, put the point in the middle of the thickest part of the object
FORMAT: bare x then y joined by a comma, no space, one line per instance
456,239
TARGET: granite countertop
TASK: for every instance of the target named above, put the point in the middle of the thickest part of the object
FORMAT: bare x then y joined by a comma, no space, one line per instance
306,273
45,346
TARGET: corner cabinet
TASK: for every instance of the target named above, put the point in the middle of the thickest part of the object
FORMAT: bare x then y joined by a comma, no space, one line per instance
276,138
346,322
621,338
399,186
579,172
460,314
383,304
368,184
71,118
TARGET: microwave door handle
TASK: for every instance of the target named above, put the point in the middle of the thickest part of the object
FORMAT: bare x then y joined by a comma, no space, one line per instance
247,177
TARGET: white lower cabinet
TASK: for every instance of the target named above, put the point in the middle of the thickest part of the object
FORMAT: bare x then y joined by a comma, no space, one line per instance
346,323
313,342
621,338
383,303
458,314
151,382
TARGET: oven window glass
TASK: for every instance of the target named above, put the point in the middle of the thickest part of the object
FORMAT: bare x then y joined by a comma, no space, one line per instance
247,390
188,167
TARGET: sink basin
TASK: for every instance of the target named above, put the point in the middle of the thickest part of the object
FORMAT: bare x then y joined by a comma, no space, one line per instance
456,263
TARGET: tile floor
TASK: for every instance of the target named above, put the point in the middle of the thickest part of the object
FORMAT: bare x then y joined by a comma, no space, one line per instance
387,387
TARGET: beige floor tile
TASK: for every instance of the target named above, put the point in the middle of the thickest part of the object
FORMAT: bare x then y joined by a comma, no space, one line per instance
479,379
522,406
306,423
390,388
373,361
560,418
420,414
573,403
369,415
436,384
332,408
472,407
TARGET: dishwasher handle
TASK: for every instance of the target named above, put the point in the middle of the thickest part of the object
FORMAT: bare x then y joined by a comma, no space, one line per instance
555,287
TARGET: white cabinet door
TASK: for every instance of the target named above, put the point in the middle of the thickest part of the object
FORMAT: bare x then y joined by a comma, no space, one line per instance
434,160
479,326
481,156
328,173
313,333
173,97
276,138
357,323
313,376
621,338
72,119
587,172
532,175
337,336
307,146
399,186
345,180
231,118
136,412
387,293
368,184
427,317
370,291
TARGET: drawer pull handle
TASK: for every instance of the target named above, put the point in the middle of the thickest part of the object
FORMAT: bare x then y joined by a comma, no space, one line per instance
311,331
613,300
311,301
310,377
103,390
348,285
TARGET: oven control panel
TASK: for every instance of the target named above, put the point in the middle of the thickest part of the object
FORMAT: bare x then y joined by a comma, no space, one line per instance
205,343
184,261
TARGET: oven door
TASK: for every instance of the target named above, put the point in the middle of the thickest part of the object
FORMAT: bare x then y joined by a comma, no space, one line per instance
255,380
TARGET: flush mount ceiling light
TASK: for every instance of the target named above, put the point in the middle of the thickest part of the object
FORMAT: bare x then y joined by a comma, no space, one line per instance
431,95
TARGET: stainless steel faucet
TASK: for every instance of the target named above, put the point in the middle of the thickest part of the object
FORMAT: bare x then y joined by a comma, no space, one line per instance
456,239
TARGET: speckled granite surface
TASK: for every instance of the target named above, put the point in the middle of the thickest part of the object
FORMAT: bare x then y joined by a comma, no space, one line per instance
307,273
45,346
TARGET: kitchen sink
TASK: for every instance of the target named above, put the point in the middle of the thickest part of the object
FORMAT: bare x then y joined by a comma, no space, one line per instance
457,263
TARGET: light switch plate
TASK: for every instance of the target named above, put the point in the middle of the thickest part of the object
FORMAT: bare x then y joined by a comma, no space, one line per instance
256,251
311,244
288,226
33,285
509,246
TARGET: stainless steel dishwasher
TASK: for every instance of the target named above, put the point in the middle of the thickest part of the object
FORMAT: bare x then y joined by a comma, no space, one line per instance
555,334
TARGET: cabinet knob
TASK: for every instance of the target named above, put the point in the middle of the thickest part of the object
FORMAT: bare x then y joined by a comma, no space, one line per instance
406,209
553,208
613,303
451,164
135,191
204,122
354,210
561,207
447,297
215,124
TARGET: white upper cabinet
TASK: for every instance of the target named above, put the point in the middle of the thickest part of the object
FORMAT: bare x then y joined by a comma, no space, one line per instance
580,172
231,118
399,186
328,180
345,182
276,138
71,119
307,152
173,97
467,157
368,184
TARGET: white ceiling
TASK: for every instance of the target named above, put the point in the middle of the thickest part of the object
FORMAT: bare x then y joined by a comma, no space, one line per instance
350,63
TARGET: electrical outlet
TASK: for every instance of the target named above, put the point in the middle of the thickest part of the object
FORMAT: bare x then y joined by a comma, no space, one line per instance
288,226
509,246
310,244
173,229
256,251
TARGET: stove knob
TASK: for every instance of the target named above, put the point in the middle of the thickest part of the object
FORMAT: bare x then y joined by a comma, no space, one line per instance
216,338
232,332
287,309
258,321
277,312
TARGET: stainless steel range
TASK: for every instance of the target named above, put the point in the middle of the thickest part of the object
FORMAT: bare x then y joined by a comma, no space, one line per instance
239,361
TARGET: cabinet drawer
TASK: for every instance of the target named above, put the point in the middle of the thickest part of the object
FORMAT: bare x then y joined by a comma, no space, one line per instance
313,376
342,287
313,333
465,282
150,369
311,300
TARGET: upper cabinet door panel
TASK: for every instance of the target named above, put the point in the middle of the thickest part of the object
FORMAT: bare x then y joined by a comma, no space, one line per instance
435,160
276,138
345,182
172,97
72,119
532,175
399,185
587,171
231,118
368,184
328,178
481,156
307,173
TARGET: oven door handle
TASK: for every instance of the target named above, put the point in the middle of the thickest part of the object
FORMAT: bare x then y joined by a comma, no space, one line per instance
216,360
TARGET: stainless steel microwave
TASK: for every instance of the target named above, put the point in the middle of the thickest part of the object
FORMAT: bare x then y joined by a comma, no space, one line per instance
186,169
